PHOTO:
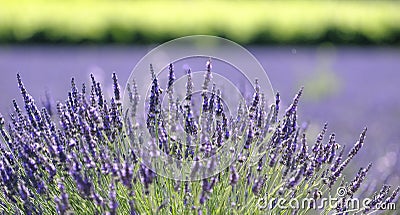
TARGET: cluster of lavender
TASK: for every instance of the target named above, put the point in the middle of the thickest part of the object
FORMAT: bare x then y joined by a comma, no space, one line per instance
71,166
85,163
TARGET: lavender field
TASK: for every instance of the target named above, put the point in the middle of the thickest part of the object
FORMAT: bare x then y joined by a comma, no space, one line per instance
348,87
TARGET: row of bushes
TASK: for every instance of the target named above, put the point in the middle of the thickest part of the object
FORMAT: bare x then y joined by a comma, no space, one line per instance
356,22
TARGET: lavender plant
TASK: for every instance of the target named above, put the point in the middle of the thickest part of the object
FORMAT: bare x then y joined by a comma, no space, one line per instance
81,159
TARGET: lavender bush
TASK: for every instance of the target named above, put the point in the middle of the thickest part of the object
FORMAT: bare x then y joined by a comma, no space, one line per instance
80,159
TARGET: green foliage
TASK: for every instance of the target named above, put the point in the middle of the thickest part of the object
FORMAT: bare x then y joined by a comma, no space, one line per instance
305,22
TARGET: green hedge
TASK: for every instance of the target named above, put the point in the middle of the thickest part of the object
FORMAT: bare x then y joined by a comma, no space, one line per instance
106,21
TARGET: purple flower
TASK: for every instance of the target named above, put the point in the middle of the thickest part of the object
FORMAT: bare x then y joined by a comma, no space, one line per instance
207,79
258,185
234,176
358,144
62,202
356,183
113,204
296,178
117,91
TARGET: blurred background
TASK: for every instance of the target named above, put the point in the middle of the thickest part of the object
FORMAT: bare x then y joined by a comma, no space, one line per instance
345,53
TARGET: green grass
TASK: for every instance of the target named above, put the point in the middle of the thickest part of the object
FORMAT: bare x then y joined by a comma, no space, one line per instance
282,22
